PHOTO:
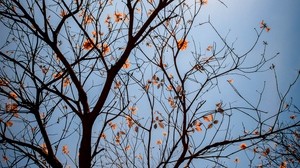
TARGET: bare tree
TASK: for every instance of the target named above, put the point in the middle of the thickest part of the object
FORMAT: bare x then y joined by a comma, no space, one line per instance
127,84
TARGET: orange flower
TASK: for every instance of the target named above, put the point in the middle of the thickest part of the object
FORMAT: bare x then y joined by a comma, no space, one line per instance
243,146
65,149
127,64
88,44
182,44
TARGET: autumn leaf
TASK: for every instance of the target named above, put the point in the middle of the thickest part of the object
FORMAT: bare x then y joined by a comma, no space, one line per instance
118,84
197,124
65,149
136,129
44,148
66,82
230,81
112,125
159,142
11,107
88,44
210,126
208,118
243,146
105,49
133,109
63,13
161,125
182,44
129,121
103,136
216,122
13,95
3,82
237,160
126,65
119,16
57,75
9,123
266,152
209,48
127,148
204,2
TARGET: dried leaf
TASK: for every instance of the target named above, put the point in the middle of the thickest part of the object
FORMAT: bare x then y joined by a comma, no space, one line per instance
209,126
198,128
161,125
136,129
243,146
208,118
216,122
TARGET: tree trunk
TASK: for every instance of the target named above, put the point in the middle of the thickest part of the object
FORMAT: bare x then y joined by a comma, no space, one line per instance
85,154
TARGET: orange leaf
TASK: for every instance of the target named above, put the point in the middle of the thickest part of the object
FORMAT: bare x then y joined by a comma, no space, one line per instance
208,118
161,125
198,128
243,146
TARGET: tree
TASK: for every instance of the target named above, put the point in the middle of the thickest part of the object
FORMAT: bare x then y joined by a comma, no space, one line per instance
126,84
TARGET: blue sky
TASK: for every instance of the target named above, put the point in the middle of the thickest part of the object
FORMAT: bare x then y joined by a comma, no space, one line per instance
283,18
240,19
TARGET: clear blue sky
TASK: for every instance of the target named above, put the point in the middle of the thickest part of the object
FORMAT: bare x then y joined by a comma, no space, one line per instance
241,17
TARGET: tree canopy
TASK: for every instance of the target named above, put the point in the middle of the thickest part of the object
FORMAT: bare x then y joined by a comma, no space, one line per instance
90,83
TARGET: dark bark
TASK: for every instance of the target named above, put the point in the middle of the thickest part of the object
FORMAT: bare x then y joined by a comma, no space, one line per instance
85,151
